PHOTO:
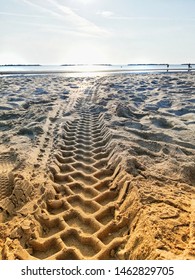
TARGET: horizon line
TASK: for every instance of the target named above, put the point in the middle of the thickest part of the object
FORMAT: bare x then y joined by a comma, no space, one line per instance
80,64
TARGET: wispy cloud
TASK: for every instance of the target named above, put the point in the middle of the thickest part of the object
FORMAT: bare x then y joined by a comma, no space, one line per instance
106,14
113,16
67,16
20,15
36,4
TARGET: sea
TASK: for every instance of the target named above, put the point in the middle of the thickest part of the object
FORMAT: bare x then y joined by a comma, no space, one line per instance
95,69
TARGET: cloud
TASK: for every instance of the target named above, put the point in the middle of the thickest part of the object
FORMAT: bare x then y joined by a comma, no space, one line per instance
68,17
37,5
112,15
107,14
20,15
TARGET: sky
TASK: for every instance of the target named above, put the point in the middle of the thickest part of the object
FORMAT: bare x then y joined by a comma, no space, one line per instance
97,31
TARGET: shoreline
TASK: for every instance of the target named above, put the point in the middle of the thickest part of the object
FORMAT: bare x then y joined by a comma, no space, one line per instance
154,70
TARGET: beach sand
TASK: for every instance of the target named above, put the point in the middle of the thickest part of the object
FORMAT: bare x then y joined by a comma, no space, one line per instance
97,167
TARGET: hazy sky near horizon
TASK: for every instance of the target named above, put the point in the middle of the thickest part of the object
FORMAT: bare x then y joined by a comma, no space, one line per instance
97,31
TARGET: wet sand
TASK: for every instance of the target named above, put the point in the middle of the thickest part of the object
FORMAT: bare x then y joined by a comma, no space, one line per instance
97,167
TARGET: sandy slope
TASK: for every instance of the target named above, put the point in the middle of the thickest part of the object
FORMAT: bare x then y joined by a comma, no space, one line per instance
97,167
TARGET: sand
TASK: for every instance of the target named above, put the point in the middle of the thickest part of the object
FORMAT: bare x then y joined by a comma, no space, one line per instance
97,167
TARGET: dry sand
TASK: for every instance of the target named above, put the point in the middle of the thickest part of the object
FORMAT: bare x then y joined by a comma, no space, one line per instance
97,167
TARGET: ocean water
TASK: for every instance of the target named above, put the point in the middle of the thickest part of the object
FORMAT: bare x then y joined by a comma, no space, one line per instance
75,70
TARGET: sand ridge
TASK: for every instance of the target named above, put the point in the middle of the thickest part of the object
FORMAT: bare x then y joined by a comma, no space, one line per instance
97,167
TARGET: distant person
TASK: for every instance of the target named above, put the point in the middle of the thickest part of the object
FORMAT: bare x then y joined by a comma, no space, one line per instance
167,67
189,67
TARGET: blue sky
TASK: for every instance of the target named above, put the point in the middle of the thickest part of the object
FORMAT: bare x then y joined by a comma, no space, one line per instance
97,31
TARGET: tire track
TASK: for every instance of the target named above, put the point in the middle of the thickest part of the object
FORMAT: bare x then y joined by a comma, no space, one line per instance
81,223
7,163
